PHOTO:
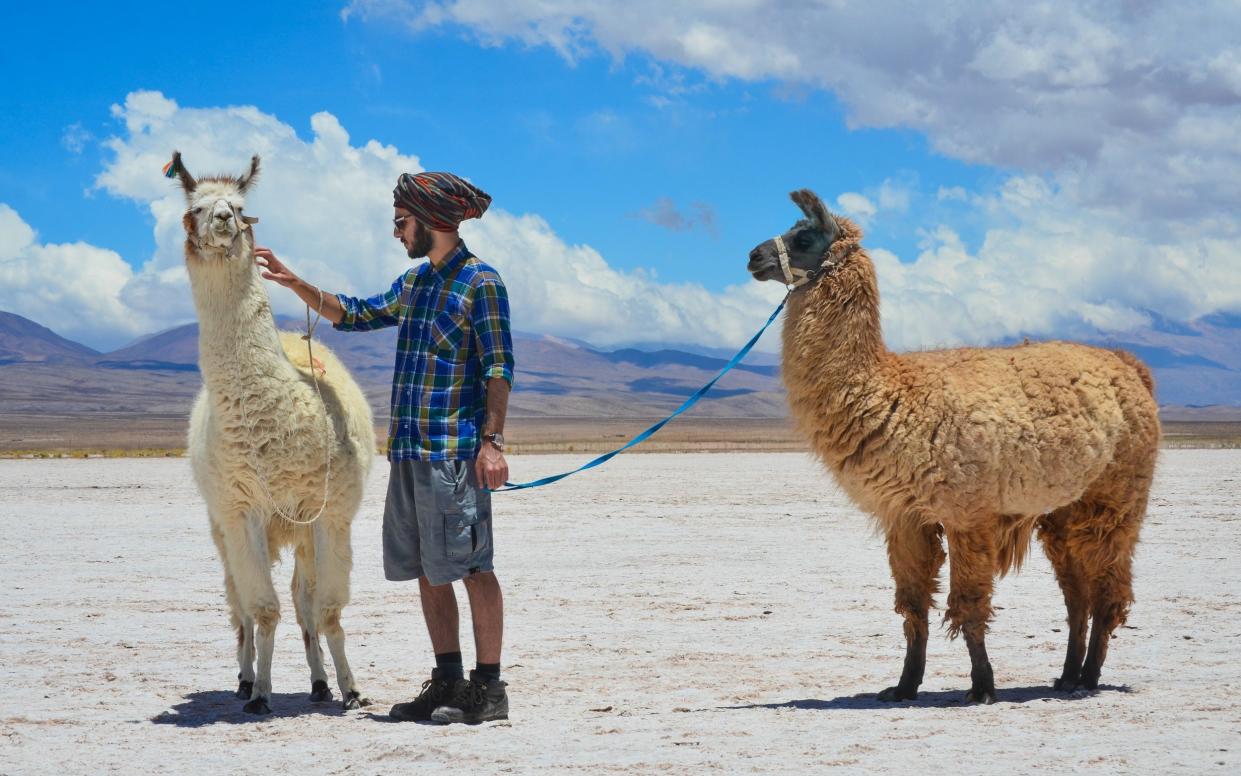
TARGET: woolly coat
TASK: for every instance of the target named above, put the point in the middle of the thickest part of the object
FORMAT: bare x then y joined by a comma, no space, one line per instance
258,414
958,436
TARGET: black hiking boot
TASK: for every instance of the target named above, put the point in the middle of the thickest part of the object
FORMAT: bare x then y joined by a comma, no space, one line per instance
474,701
435,692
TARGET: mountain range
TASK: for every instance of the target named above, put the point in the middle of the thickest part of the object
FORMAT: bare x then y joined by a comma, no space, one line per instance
42,373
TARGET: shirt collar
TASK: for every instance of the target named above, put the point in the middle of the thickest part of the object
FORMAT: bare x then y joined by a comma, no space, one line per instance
449,266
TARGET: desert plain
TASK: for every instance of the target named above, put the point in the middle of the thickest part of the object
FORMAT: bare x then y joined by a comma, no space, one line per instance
666,613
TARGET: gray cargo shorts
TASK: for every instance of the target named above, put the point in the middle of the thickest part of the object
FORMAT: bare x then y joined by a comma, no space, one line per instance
437,522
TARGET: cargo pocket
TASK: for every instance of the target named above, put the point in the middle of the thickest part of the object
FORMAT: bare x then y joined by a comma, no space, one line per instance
458,503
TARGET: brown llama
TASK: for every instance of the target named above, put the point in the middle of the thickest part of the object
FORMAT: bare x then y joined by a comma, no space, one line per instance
979,445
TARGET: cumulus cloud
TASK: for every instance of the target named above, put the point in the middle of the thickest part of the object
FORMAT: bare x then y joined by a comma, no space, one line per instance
1045,265
72,288
1117,124
324,205
856,206
1137,101
892,197
1050,272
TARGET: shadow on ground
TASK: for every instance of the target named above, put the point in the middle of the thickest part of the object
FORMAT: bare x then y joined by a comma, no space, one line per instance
941,699
222,707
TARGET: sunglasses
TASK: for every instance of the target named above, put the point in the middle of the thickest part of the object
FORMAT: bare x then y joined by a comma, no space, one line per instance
398,223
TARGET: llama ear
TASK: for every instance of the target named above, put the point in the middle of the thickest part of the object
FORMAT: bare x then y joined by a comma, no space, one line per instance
814,208
816,211
187,181
247,179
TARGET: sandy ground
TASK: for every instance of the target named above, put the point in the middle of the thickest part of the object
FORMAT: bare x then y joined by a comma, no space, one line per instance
666,613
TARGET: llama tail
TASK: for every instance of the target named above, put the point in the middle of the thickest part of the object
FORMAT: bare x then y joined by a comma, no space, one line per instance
1144,372
1013,541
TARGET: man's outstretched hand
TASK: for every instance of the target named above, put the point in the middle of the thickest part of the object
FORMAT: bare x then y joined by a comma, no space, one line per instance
273,268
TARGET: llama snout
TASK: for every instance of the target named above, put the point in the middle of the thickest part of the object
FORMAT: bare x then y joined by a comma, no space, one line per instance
758,263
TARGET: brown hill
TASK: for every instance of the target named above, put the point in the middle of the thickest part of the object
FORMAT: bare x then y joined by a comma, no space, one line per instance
24,341
556,377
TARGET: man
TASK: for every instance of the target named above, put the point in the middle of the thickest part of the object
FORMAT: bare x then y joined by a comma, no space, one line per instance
450,387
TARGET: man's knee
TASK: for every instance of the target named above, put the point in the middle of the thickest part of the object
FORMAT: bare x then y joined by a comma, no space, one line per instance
481,579
430,588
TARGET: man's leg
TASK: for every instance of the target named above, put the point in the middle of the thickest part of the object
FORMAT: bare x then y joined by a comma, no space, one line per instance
483,698
487,610
439,609
409,503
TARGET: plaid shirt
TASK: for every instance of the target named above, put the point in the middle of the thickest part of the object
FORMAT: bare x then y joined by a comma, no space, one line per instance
454,337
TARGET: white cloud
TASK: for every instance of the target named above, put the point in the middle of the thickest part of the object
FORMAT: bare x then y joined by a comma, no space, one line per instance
891,196
1131,105
1054,271
324,205
72,288
856,206
1046,266
1117,123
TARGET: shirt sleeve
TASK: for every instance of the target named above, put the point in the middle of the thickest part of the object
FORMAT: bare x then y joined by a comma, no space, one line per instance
490,322
376,312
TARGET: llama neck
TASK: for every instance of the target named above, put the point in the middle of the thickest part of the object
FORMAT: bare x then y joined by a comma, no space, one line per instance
237,337
834,353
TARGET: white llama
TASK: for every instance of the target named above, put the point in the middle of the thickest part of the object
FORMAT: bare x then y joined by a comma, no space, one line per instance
274,469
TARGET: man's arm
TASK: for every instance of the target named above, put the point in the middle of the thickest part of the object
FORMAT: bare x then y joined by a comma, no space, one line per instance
497,405
490,316
346,313
315,298
491,469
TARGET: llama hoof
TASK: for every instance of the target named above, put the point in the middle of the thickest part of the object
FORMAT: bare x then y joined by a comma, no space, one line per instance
354,700
985,696
898,693
257,706
319,692
245,690
1064,684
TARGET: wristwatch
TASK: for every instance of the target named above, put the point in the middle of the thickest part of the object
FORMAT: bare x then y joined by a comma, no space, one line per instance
497,439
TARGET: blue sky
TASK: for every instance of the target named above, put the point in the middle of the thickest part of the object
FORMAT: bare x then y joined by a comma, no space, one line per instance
665,139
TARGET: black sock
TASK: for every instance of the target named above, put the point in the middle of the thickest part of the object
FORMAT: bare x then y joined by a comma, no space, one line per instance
450,666
488,672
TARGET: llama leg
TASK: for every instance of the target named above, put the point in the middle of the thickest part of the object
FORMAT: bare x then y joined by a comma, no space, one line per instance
971,555
915,553
1110,565
251,571
303,590
1055,531
245,642
1105,546
333,562
243,625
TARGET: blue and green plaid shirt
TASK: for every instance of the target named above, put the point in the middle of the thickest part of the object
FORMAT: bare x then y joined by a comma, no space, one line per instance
454,337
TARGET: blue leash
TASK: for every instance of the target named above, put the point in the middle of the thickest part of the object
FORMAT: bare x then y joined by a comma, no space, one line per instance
645,435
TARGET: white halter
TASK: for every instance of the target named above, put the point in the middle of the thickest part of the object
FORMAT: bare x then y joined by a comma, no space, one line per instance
796,278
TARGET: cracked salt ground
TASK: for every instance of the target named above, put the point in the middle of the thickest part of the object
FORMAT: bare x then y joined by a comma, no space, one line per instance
739,620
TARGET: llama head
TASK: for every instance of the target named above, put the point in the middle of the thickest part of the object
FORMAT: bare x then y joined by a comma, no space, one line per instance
806,244
213,215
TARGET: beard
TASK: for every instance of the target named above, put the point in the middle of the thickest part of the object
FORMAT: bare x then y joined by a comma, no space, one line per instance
422,242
